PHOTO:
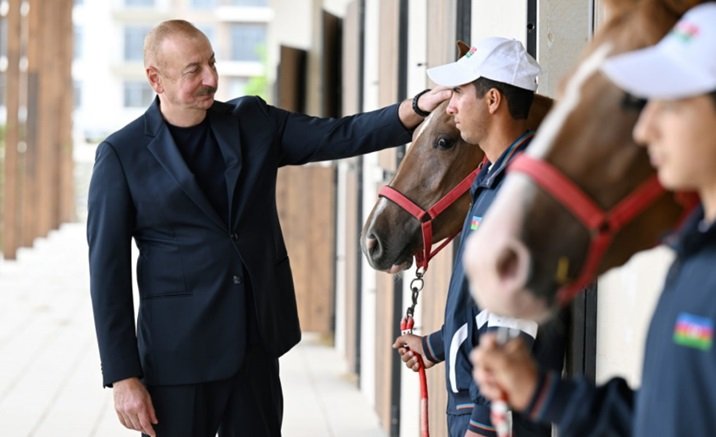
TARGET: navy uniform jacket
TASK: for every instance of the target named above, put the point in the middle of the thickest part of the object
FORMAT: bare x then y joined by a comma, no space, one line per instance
193,269
678,390
464,321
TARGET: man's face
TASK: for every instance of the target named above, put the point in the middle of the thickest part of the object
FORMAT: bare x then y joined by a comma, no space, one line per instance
187,74
680,136
469,112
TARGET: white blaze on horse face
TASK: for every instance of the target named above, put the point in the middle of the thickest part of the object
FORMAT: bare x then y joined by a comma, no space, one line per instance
496,261
423,126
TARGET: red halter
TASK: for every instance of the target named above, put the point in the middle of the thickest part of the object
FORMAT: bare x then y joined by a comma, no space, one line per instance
602,225
426,217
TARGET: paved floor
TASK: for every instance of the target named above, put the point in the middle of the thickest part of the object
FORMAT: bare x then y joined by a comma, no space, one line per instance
49,366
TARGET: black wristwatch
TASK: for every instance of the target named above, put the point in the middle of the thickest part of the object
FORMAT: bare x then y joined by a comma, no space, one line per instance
416,108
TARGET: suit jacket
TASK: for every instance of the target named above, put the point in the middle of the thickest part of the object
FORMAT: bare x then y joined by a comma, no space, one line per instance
191,320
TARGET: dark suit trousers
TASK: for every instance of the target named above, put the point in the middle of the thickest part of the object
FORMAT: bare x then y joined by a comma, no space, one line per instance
248,405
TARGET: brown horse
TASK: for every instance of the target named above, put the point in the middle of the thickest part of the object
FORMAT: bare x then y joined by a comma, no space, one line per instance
437,161
584,198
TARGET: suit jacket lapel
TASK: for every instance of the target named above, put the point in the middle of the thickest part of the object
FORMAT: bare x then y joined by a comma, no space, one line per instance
226,131
166,152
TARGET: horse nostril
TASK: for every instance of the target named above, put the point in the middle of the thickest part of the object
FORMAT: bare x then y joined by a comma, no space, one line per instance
512,265
507,263
372,244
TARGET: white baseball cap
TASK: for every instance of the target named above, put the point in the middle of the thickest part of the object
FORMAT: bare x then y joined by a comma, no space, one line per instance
499,59
682,64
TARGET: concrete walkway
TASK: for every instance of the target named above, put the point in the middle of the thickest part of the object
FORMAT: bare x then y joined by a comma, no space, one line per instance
50,382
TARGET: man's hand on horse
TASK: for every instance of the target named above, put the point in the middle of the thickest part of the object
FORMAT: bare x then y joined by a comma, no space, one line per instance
433,98
409,346
413,111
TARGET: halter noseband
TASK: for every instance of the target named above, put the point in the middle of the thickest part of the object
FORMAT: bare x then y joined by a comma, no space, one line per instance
427,216
602,225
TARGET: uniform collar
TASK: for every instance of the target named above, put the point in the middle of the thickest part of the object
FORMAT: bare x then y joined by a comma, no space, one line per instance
693,234
492,172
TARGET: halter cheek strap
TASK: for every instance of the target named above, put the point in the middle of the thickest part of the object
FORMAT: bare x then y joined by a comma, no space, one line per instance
602,224
427,216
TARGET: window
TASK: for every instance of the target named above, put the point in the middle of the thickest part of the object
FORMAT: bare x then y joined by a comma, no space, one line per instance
208,31
3,36
248,2
140,3
202,4
236,86
247,41
137,94
134,42
78,43
2,89
77,90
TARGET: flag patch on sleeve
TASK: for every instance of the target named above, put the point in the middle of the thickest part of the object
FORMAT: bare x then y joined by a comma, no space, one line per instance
475,222
693,331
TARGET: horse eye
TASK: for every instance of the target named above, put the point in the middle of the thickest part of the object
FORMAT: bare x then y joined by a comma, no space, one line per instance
444,143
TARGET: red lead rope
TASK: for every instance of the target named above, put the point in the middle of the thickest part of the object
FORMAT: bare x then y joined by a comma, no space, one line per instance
406,327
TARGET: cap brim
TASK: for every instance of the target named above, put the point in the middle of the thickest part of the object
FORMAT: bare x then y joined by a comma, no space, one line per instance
451,75
653,74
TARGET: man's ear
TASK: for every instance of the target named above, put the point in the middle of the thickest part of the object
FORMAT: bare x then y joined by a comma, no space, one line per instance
155,80
493,99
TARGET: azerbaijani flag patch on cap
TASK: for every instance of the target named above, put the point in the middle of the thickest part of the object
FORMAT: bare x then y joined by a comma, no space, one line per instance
694,331
685,31
475,222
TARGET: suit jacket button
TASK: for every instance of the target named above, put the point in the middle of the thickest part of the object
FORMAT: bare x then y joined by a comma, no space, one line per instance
237,279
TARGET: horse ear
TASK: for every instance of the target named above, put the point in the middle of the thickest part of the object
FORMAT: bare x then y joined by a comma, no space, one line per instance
462,48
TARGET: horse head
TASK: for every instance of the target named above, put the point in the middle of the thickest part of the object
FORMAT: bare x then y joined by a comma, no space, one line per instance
438,161
584,198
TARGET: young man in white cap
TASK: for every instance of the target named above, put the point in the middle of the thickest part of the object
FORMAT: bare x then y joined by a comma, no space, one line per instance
677,395
493,88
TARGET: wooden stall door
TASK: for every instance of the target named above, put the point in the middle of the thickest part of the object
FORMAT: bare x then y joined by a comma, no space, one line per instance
305,205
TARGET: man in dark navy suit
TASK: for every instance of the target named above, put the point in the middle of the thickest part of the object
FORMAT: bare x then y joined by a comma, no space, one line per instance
193,182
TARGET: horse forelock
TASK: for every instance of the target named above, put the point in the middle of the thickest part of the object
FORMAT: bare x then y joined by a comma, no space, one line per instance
556,118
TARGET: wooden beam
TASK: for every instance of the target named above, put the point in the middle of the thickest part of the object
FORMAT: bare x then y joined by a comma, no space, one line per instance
47,111
29,175
11,219
65,186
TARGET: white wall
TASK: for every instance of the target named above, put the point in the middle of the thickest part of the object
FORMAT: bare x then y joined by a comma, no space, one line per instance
626,301
417,81
371,178
499,18
563,29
